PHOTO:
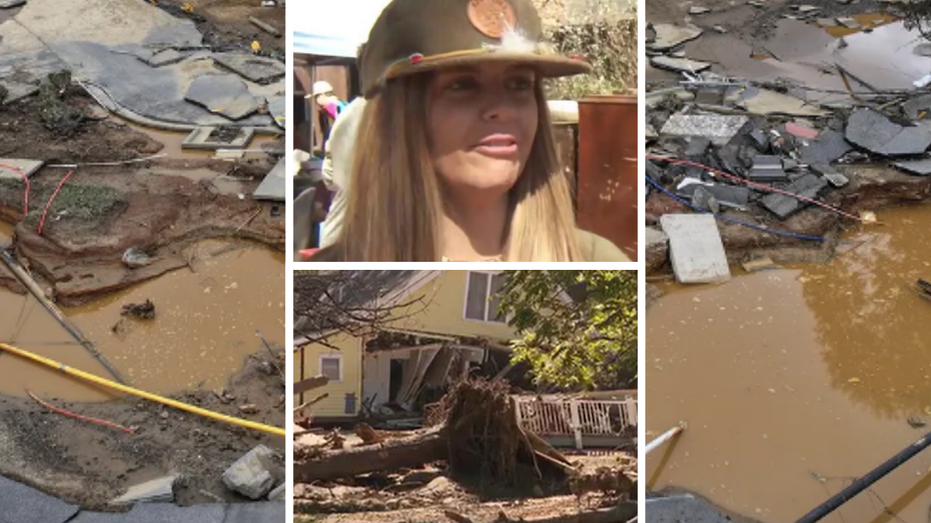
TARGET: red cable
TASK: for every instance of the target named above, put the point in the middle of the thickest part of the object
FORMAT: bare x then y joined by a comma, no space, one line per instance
25,179
78,416
50,200
757,185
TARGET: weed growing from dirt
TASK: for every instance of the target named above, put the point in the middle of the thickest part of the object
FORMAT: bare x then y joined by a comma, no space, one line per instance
57,115
75,201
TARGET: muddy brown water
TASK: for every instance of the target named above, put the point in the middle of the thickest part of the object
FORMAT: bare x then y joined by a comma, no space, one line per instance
794,381
204,328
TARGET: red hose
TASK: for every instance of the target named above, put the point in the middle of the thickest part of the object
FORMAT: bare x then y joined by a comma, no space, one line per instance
26,194
78,416
50,200
754,184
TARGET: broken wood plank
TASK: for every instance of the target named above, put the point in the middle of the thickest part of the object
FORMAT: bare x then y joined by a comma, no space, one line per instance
310,384
264,26
314,401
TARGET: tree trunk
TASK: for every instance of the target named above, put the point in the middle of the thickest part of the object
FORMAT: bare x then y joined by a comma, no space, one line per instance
410,452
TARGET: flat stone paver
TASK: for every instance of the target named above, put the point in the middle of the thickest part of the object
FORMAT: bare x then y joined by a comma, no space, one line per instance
695,248
22,504
159,513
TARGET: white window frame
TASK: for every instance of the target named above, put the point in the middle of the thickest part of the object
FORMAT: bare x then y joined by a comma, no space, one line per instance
338,357
465,305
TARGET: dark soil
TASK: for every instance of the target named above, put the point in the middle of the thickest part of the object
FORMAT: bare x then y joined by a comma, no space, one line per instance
89,464
225,23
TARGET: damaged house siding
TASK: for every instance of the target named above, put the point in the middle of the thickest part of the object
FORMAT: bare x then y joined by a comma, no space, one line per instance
350,363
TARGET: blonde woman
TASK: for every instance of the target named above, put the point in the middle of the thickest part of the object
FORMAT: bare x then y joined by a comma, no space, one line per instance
455,158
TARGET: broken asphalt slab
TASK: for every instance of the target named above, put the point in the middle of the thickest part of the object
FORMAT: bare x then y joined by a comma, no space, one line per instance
916,167
669,36
765,102
22,504
262,512
783,206
679,65
224,94
253,68
677,509
876,133
274,185
695,248
828,147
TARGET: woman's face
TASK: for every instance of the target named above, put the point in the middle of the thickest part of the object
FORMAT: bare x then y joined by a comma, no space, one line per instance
481,123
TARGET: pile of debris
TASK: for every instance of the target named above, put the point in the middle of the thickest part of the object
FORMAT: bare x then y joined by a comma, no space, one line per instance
477,450
780,172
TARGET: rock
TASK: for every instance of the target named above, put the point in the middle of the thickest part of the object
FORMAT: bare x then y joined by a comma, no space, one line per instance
828,147
784,206
698,10
916,422
695,247
720,129
679,65
250,475
669,36
830,174
720,29
922,50
439,485
705,201
876,133
278,493
727,195
806,8
164,414
136,257
160,489
657,250
849,23
223,94
766,102
248,408
422,476
767,169
762,263
915,167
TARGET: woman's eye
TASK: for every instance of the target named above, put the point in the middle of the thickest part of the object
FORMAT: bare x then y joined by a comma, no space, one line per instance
463,84
520,83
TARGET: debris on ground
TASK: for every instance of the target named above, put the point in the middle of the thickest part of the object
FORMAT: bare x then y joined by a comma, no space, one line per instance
255,474
142,311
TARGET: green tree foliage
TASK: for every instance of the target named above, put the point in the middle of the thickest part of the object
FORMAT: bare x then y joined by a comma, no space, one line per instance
578,328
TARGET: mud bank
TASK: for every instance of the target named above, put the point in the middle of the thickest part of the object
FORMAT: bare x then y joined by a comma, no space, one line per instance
795,381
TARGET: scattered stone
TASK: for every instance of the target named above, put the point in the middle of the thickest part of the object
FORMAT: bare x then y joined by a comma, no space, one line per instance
784,206
720,129
827,22
27,167
918,107
165,57
767,169
755,3
142,311
135,257
766,102
251,475
657,251
248,408
763,263
698,10
760,140
916,167
720,29
256,69
278,493
704,200
727,195
274,185
669,36
922,50
160,489
807,8
828,147
8,4
849,23
876,133
830,174
677,54
163,414
695,246
679,65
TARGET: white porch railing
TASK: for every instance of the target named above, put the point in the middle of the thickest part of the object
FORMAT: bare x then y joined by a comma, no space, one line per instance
576,418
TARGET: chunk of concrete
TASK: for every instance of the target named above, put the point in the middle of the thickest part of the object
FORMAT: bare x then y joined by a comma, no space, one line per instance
657,251
679,65
22,504
251,475
784,206
876,133
698,10
27,167
695,247
831,174
916,167
718,128
669,36
224,94
274,185
253,68
161,489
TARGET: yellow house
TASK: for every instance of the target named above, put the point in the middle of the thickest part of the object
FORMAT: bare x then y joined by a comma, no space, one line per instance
441,324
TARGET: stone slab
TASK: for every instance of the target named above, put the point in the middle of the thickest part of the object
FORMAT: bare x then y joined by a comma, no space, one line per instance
22,504
223,94
831,174
278,110
264,512
159,513
678,509
828,147
199,138
669,36
720,129
160,489
916,167
679,65
274,185
784,206
164,57
876,133
727,195
28,167
253,68
695,248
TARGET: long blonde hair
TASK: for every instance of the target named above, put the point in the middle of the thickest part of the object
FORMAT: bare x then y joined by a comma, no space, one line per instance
395,204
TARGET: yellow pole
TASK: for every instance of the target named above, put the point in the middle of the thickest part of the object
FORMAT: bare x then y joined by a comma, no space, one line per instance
140,393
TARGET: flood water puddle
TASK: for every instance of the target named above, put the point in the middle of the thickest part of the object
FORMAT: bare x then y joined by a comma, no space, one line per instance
795,381
204,327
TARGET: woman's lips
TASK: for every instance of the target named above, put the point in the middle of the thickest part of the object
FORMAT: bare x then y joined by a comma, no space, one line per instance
498,146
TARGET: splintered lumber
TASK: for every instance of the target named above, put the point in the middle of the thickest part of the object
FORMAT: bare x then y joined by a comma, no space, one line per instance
310,384
408,452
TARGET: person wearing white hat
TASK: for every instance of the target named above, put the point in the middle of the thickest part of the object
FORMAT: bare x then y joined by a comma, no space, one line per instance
329,106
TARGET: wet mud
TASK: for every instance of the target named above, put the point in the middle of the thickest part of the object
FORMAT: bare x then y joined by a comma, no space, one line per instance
795,381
